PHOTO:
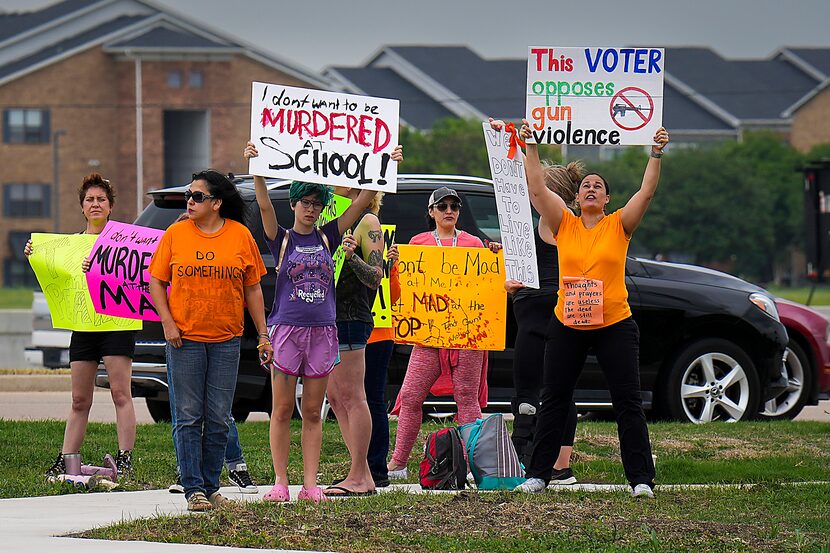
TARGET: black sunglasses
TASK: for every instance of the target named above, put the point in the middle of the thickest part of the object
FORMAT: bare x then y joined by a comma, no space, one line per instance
455,206
198,197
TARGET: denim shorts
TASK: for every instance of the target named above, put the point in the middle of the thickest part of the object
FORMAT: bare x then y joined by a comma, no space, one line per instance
353,335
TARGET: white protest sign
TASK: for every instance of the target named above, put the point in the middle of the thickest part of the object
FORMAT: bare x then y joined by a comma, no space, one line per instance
325,137
513,204
594,96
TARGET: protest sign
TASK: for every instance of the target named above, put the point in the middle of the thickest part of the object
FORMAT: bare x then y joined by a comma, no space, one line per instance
450,298
382,308
118,279
513,204
56,260
594,96
327,137
335,209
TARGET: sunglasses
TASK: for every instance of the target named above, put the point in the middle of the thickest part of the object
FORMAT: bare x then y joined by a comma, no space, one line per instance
198,197
312,204
455,206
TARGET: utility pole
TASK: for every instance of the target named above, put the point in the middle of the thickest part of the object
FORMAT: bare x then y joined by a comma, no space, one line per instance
56,176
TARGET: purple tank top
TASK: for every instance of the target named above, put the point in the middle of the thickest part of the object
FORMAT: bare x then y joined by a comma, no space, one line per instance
304,294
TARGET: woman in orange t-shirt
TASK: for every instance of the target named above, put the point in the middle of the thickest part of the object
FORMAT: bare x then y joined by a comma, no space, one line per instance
213,267
592,312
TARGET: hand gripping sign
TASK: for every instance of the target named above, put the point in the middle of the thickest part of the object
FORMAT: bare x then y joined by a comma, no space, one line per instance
325,137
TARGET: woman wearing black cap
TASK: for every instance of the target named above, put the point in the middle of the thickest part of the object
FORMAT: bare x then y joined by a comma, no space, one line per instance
425,364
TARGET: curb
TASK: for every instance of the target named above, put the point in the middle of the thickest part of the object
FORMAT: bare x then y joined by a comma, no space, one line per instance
35,383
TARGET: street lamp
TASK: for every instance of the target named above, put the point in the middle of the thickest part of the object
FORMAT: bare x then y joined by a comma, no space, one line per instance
56,175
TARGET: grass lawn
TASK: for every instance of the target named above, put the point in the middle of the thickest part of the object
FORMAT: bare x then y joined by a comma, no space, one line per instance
769,516
821,296
16,298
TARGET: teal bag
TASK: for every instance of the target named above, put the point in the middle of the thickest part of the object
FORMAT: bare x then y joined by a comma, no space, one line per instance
491,454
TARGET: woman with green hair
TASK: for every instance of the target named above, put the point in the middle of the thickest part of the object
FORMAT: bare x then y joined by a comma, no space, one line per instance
302,324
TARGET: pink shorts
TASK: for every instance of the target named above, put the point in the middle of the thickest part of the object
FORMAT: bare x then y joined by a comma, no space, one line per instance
306,351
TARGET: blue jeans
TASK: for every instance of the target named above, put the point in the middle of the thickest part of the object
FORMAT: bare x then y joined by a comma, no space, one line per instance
233,451
203,379
378,355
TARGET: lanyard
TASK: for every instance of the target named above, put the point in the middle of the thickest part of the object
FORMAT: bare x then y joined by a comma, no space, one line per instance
438,240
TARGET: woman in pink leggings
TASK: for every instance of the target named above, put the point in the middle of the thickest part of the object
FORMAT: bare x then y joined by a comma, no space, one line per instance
425,364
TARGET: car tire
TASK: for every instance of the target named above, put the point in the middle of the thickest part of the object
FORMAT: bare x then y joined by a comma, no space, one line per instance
799,373
711,379
159,410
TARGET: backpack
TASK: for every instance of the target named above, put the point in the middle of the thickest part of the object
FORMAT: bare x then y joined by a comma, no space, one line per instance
493,459
444,466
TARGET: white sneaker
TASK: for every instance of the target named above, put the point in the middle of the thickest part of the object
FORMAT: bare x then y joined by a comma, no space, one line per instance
642,490
400,474
531,485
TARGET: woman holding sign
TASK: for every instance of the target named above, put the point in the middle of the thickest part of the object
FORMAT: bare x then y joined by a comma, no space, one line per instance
533,308
425,363
213,267
87,349
592,311
302,321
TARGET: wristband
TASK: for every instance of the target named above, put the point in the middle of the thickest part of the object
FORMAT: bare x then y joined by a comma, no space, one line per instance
655,155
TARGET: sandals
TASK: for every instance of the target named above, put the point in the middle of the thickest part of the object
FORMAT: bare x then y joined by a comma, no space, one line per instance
278,494
198,503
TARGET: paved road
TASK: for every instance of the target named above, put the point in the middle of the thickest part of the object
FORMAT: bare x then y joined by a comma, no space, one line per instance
55,405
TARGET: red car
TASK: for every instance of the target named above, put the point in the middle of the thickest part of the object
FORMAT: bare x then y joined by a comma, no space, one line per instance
806,360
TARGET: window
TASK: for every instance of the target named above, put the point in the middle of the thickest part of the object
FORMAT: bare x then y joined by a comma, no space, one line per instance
195,79
17,271
26,200
408,210
25,126
174,79
484,213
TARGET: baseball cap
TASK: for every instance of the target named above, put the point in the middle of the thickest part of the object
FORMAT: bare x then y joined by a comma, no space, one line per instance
442,193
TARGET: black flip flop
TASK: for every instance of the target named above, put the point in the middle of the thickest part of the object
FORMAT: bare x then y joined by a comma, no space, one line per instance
346,492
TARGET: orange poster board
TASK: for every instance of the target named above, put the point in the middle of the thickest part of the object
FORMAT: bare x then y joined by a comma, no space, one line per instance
451,298
583,301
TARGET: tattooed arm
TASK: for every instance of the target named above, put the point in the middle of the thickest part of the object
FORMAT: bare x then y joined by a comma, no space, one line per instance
370,238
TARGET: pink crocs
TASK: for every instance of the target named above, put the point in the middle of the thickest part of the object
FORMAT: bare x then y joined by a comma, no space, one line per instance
315,494
278,494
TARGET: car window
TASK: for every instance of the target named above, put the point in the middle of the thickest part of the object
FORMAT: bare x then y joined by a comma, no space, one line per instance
407,210
480,210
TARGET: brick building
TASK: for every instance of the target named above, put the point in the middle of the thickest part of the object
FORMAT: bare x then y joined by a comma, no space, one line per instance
121,87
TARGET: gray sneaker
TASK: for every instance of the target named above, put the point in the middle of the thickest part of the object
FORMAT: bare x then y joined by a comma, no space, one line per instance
562,477
642,490
531,485
176,487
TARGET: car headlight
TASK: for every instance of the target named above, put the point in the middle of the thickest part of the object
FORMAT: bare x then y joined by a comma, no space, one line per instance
765,304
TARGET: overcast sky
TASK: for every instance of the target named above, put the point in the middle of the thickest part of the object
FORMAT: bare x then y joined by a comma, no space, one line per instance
319,33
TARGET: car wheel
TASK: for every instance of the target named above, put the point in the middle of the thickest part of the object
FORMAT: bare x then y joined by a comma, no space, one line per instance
324,410
159,410
712,379
799,372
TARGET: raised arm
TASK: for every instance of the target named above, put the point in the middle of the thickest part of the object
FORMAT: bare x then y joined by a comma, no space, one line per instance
636,207
266,208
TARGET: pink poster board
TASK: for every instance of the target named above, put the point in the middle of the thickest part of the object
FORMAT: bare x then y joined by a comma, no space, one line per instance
118,279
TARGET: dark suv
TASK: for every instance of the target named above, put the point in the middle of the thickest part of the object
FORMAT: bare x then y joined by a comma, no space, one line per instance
711,344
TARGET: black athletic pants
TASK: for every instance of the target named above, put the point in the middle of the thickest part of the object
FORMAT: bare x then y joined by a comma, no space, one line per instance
617,348
533,314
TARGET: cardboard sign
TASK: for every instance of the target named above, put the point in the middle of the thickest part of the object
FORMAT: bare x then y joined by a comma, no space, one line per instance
118,279
594,96
583,301
382,308
513,204
335,209
451,298
326,137
56,260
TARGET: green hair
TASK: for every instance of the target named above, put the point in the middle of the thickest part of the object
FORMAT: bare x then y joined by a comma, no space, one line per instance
300,190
